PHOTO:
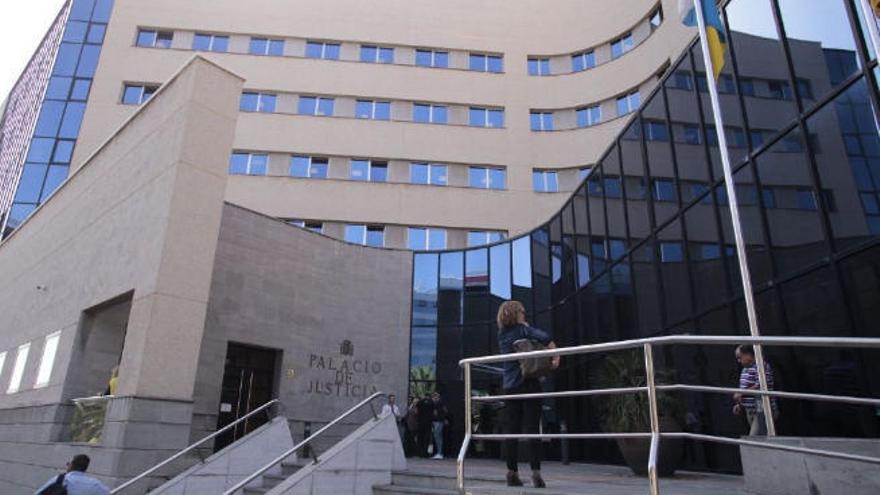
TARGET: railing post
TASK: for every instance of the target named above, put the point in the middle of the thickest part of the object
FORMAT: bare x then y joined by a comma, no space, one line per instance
468,430
654,484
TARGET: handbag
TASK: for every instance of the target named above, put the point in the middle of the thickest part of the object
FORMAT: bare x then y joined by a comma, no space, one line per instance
534,367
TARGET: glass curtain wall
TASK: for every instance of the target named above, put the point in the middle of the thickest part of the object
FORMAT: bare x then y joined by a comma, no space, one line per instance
645,247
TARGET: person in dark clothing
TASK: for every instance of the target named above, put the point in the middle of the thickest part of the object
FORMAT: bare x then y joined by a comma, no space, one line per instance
425,414
522,416
439,421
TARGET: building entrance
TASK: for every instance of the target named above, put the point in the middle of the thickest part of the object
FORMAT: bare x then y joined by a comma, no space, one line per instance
248,383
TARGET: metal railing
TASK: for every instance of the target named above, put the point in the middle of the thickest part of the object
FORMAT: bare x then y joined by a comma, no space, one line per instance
195,445
651,388
256,474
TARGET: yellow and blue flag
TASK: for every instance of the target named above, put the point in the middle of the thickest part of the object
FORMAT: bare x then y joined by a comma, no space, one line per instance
714,29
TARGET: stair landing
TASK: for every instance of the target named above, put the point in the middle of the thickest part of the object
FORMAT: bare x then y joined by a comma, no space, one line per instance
437,477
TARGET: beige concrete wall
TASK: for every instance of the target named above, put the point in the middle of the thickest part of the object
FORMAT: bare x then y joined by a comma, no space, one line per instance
140,215
514,29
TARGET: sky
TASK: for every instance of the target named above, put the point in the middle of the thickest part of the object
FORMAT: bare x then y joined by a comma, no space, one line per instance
22,27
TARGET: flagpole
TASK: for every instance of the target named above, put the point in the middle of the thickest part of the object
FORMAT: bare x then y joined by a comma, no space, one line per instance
871,21
733,204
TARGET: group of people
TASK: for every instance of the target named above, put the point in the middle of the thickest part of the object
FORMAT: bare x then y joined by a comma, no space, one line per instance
424,426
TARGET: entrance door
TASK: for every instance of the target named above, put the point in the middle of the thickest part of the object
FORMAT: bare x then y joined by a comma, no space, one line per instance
248,383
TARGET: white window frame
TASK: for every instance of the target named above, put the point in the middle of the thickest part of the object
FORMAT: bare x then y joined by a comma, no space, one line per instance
309,169
485,57
303,224
315,111
213,38
487,179
268,44
428,237
583,57
433,57
540,64
378,59
545,175
142,89
21,357
47,359
260,96
431,166
324,45
589,110
431,108
250,158
370,166
628,98
373,104
543,127
486,236
363,241
626,44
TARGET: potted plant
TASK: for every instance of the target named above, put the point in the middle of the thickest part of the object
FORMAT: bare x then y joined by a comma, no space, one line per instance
631,413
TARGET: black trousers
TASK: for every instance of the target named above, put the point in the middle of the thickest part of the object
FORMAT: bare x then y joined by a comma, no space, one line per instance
523,416
424,438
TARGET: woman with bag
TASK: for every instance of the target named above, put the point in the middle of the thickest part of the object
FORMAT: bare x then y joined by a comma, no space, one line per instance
522,415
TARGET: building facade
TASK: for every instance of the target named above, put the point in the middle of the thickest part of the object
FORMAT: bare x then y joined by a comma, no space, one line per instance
585,160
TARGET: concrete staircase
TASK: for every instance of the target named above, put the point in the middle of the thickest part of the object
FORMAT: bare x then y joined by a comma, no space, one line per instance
269,481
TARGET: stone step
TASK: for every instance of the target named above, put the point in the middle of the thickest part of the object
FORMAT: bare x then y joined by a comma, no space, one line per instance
439,480
411,490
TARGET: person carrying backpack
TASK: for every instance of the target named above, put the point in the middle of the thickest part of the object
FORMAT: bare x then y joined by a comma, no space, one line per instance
75,481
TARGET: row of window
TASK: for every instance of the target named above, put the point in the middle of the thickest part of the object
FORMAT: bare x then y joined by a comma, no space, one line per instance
374,53
657,130
664,190
775,89
586,59
542,120
44,371
367,170
417,238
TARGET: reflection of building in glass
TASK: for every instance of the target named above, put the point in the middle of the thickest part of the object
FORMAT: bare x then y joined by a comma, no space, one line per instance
644,246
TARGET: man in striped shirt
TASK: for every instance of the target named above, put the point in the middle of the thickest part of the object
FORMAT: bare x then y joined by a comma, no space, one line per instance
748,380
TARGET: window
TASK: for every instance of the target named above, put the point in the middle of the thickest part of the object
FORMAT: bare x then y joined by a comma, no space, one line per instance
368,170
421,239
47,361
248,164
769,197
486,117
257,102
681,79
757,138
664,190
656,19
487,178
539,66
136,94
264,46
806,200
18,368
428,173
621,45
747,86
588,116
481,238
583,172
210,43
316,105
367,235
541,121
486,63
320,49
307,224
805,90
371,109
432,58
433,114
308,166
739,137
377,54
656,130
691,134
545,181
671,252
779,90
154,39
791,144
628,103
583,61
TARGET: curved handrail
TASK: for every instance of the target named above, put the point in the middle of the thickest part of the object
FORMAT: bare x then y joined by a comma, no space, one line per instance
256,474
655,435
194,445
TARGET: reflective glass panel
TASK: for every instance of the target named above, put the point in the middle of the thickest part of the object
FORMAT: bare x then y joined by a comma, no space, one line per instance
425,279
499,284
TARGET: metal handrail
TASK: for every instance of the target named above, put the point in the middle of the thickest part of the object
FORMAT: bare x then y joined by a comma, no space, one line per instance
651,388
194,445
256,474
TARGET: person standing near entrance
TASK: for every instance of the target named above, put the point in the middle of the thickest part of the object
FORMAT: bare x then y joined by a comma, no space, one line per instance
748,380
439,419
75,481
392,408
522,416
425,414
